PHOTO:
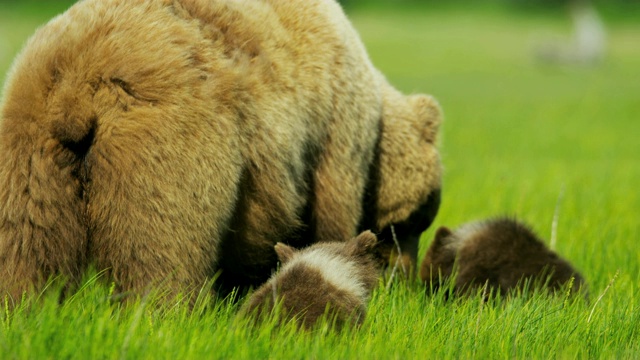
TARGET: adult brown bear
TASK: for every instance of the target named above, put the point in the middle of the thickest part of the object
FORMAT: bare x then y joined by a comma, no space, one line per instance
165,140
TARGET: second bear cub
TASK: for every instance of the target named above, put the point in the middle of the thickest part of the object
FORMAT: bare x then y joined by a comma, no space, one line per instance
502,253
332,278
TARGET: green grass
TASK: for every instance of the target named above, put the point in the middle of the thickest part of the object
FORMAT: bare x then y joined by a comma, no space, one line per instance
519,138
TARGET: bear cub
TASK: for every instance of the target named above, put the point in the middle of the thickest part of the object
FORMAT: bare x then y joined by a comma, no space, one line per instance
331,278
503,253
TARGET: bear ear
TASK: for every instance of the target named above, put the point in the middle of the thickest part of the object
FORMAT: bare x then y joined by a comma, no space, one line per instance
428,116
364,243
284,252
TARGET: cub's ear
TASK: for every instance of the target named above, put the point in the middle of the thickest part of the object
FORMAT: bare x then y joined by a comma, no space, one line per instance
285,252
364,243
428,116
441,236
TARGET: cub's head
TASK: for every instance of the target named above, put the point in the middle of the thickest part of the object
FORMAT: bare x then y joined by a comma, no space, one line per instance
361,250
404,191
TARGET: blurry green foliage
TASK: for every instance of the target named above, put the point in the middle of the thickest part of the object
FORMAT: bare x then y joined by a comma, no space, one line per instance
525,3
609,9
35,6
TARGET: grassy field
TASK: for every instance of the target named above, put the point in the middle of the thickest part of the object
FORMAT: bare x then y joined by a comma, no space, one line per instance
520,138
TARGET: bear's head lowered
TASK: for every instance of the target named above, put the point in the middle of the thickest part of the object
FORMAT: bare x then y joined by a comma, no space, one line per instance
403,196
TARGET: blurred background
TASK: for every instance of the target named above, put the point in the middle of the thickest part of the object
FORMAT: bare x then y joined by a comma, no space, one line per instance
541,101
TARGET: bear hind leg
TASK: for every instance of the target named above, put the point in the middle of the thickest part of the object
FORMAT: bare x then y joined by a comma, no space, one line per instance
42,215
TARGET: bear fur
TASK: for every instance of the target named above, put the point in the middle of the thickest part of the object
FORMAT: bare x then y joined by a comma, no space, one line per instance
502,253
167,140
331,278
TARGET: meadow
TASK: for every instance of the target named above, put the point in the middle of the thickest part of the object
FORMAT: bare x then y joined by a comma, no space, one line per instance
557,146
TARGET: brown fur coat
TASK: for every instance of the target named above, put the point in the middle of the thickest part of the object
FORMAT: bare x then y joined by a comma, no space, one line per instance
332,278
502,253
165,140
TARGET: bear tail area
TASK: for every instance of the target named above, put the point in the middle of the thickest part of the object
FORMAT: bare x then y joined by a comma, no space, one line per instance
43,227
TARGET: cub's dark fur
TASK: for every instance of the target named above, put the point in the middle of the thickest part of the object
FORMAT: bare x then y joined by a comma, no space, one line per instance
333,278
501,253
